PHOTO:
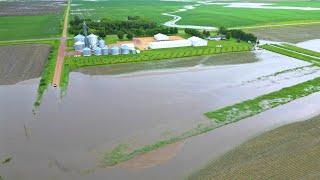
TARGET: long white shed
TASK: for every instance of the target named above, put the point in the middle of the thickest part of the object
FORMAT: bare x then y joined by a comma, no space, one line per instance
170,44
196,41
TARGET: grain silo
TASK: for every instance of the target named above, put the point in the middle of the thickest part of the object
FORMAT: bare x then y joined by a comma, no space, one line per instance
97,51
125,49
79,38
86,52
93,40
105,50
115,50
101,43
78,46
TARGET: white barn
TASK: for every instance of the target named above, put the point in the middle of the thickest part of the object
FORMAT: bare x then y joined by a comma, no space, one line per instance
170,44
161,37
196,41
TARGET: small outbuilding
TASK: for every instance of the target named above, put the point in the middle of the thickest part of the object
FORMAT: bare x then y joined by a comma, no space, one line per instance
217,37
161,37
196,41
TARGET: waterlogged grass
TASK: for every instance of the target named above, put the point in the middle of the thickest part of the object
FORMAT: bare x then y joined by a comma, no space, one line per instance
47,74
120,154
262,103
301,50
72,63
282,50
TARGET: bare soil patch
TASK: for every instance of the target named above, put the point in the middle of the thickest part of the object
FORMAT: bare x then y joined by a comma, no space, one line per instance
292,34
289,152
22,62
13,8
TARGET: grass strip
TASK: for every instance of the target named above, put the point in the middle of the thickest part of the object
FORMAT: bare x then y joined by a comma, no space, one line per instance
300,50
262,103
289,53
118,154
47,74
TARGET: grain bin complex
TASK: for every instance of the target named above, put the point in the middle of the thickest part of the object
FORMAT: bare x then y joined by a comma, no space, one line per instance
93,45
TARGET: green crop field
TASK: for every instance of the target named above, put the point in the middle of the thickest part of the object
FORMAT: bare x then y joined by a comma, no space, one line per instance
120,9
210,15
216,15
29,27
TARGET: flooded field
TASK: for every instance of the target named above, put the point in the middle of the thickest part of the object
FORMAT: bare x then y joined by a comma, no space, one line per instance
104,107
22,62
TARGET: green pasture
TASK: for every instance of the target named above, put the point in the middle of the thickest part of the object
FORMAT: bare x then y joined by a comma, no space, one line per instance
29,27
217,15
121,9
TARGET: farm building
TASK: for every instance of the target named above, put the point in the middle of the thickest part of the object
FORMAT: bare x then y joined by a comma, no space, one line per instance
78,38
169,44
217,37
161,37
196,41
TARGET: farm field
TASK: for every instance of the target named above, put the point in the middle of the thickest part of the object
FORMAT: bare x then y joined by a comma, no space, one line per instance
29,27
121,9
291,151
288,33
22,62
244,17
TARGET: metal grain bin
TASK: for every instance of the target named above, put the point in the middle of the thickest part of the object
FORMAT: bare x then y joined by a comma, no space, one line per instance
97,51
78,46
79,38
105,50
115,50
86,52
125,50
93,40
101,43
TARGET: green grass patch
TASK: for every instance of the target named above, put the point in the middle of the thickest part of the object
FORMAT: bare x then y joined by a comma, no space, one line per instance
47,74
262,103
283,51
300,50
30,27
72,63
120,154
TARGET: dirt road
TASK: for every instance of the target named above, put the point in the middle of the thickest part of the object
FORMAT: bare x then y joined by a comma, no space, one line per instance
61,51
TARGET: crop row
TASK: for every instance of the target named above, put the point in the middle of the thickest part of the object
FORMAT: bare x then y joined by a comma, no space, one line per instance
300,50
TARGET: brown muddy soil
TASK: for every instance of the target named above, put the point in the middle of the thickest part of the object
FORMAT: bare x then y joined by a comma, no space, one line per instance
22,62
292,34
30,7
289,152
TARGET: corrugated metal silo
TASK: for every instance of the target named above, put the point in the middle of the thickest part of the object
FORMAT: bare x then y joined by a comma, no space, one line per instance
78,46
93,40
97,51
105,50
125,49
78,38
115,50
101,43
86,52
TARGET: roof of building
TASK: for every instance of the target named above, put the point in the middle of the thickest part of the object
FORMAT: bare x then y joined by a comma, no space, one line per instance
161,37
194,38
79,36
92,35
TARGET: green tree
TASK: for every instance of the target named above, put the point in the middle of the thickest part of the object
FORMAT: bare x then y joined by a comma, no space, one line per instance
120,34
222,30
129,36
228,35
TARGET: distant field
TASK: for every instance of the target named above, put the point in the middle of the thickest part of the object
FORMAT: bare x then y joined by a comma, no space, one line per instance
216,15
120,9
289,152
208,15
29,27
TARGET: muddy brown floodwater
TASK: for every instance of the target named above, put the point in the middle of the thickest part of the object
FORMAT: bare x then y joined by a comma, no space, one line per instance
67,138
